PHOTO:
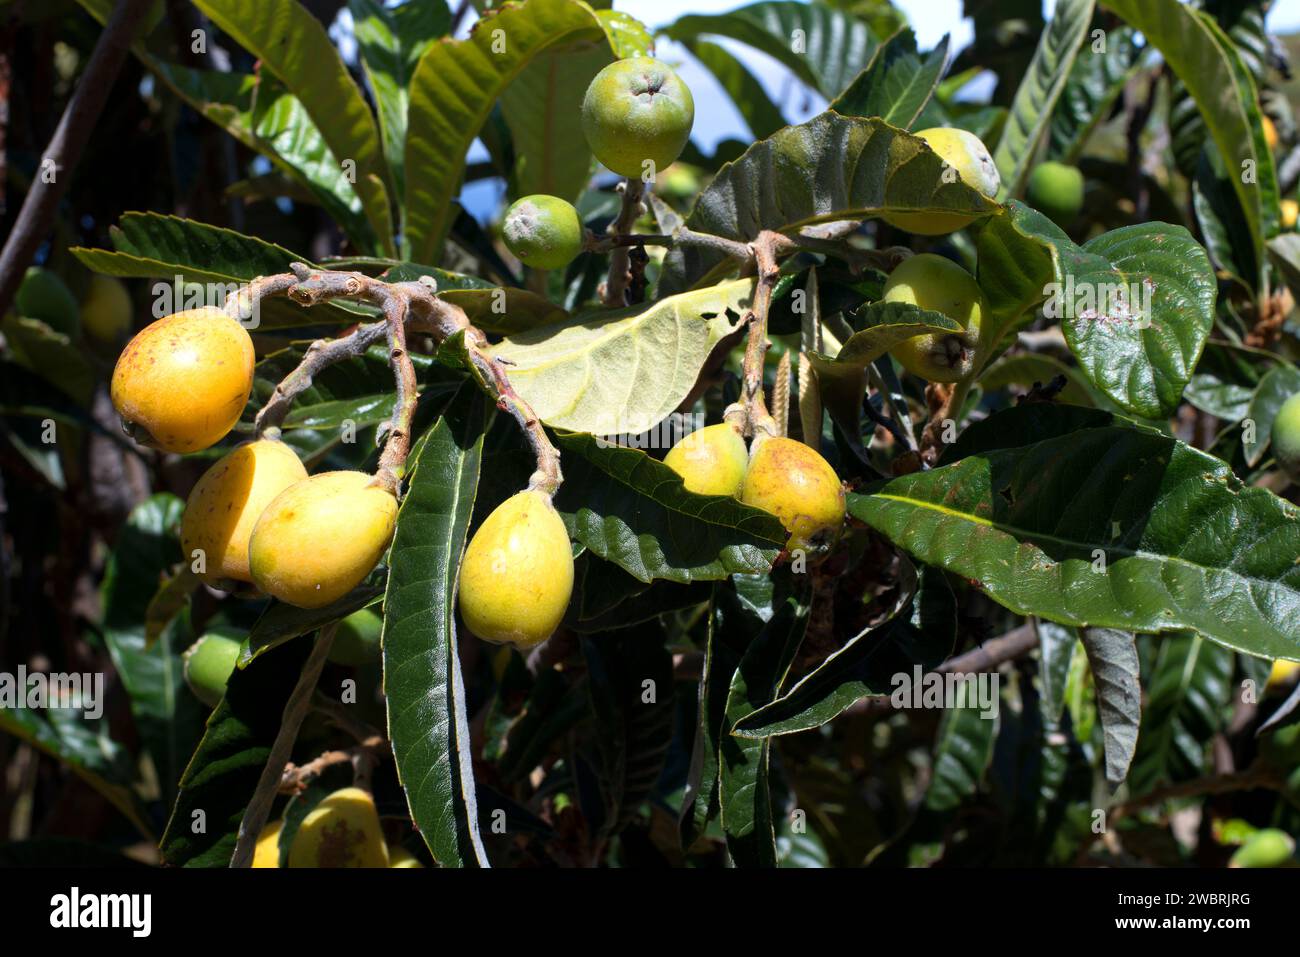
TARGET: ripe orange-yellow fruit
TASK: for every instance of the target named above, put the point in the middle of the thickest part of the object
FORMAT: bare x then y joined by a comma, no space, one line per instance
711,461
1270,132
319,538
341,831
266,853
226,503
399,856
182,382
798,486
517,575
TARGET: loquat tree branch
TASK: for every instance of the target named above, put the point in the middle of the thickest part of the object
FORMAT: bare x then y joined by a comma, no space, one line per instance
616,283
67,144
268,784
751,413
406,305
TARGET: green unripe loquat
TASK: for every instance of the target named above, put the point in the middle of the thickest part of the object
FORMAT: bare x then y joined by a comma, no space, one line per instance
939,285
711,460
1286,437
208,664
320,538
543,231
357,640
637,111
1269,847
1056,190
517,575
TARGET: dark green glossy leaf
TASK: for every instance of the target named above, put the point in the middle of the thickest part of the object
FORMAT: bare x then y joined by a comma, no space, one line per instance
743,787
223,773
634,511
897,83
1112,526
281,621
427,722
1187,692
167,716
1100,70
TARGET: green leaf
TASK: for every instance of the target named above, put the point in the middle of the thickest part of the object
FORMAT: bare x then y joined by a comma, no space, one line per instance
867,665
293,45
168,718
1100,70
963,749
1113,658
85,745
391,41
606,598
1185,544
1275,387
456,83
259,112
1055,649
700,799
1186,694
1136,304
1164,278
427,721
1206,61
623,370
828,169
223,773
760,114
155,246
280,621
1039,89
632,510
629,686
897,83
743,789
541,109
823,47
51,355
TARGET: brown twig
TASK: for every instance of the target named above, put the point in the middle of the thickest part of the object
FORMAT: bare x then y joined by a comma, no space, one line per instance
397,443
363,757
67,144
751,413
295,709
492,378
615,291
1256,776
406,305
988,657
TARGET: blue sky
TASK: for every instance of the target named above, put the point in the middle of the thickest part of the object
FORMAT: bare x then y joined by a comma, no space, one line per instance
716,119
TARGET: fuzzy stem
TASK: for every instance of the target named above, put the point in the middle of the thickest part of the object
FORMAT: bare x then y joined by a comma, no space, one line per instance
412,305
751,412
492,377
617,281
